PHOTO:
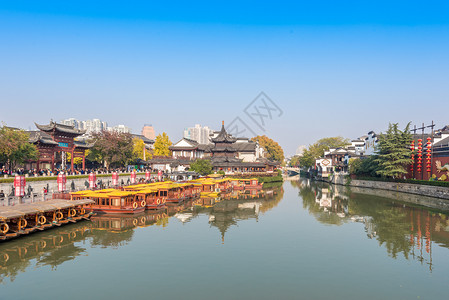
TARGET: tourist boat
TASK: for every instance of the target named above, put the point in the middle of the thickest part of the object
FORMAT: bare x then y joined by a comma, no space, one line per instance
23,219
175,192
116,202
151,198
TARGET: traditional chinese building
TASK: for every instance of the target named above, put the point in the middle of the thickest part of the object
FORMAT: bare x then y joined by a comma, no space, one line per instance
52,140
225,156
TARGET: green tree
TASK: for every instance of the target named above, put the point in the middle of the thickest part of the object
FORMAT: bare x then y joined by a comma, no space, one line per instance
274,151
15,147
201,166
394,153
111,148
162,144
364,166
317,149
294,162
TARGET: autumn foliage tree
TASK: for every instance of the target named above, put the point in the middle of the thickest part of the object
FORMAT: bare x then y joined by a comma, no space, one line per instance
15,147
111,148
274,151
162,144
139,150
76,161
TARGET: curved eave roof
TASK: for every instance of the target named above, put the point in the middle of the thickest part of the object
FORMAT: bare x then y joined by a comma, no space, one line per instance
60,127
224,137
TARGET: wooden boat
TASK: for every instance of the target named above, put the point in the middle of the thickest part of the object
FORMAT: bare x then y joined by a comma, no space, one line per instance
116,202
151,198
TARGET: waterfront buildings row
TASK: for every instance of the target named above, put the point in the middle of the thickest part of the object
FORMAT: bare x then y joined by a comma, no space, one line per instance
434,163
227,153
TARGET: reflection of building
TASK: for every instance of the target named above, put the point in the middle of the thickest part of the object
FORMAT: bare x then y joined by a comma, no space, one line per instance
398,227
237,206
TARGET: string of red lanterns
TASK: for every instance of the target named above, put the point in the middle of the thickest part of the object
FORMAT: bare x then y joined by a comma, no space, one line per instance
412,148
419,156
429,156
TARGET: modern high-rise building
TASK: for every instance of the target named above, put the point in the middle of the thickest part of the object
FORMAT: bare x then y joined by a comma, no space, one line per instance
120,128
198,133
148,132
93,126
72,122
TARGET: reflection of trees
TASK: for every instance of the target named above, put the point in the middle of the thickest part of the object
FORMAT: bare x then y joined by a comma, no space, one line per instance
115,239
399,226
390,223
46,248
60,255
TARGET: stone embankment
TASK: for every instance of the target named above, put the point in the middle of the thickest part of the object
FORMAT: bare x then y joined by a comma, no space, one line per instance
417,189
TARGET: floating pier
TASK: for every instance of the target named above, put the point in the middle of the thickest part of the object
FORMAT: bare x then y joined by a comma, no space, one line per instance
24,219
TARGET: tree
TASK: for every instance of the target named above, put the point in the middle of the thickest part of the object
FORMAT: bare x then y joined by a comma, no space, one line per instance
364,166
317,149
76,161
294,162
111,148
15,147
139,148
201,166
274,151
394,153
161,145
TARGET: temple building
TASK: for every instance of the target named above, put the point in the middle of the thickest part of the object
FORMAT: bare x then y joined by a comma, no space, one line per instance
225,156
53,140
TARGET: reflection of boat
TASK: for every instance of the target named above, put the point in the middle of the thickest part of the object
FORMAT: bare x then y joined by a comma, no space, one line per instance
246,184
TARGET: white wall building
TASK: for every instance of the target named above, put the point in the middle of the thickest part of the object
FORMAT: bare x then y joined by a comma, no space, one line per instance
370,146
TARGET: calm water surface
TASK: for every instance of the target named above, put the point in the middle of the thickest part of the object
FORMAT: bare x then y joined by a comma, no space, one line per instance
300,241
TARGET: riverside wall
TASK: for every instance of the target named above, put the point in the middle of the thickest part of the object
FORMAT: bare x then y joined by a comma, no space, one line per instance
416,189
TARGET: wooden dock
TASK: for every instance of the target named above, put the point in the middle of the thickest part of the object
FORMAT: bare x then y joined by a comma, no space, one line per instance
23,219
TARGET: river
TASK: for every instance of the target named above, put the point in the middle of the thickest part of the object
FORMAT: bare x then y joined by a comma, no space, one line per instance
300,240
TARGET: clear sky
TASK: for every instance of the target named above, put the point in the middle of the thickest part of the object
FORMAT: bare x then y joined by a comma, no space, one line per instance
332,67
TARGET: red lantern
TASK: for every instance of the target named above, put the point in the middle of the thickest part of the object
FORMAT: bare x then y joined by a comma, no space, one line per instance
92,180
133,177
147,175
62,180
19,185
114,179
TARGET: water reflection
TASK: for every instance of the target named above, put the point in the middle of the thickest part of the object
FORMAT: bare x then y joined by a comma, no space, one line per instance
59,245
401,227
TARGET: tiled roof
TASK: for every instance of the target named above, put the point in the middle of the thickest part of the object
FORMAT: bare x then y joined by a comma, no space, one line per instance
223,136
60,127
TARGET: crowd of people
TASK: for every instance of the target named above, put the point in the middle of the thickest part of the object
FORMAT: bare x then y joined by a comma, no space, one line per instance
57,171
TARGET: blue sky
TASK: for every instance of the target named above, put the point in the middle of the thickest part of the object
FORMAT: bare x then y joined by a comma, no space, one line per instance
333,68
